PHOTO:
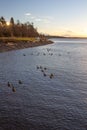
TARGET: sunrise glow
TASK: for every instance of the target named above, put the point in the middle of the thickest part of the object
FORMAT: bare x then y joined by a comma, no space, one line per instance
53,17
7,23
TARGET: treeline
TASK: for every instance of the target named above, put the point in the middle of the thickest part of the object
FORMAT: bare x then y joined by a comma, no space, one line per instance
18,29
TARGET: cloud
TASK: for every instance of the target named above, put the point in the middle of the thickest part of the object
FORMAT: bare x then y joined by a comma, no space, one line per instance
28,14
42,20
49,17
46,20
32,17
38,19
68,33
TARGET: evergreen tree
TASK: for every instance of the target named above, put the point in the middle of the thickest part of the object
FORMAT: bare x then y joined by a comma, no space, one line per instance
12,21
17,29
2,20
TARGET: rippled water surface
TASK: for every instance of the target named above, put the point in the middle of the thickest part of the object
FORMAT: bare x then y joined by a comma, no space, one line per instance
43,101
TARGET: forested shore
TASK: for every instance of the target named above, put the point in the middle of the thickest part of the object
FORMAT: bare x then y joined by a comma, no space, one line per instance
17,35
17,29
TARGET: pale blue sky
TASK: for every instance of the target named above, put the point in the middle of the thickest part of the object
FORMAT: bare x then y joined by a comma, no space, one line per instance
58,17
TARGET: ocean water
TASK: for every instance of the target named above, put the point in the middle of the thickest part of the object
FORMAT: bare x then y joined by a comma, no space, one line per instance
53,93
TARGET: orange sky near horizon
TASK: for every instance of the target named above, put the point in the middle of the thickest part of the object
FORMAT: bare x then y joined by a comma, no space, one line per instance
53,17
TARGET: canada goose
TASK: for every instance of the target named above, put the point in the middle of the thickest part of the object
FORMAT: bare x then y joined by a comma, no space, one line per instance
45,68
51,54
9,85
59,54
51,76
24,55
45,75
42,70
20,82
13,89
44,54
37,67
40,67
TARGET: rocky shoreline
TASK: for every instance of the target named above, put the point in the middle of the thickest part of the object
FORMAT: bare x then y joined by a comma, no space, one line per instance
8,46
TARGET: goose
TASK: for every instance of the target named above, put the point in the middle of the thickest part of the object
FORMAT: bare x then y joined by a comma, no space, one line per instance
45,75
45,68
51,76
20,82
37,67
9,85
42,70
13,89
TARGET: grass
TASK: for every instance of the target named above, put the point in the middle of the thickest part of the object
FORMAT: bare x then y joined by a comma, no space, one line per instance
16,39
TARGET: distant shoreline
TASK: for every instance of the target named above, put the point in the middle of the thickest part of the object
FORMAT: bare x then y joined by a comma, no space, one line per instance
66,37
8,44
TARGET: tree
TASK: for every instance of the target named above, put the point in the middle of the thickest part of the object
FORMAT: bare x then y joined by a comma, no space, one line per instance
17,29
18,23
12,21
12,26
2,20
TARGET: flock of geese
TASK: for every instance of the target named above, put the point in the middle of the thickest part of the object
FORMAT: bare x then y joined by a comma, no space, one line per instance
12,86
43,70
43,53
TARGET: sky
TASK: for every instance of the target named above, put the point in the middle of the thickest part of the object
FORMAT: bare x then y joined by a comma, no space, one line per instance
53,17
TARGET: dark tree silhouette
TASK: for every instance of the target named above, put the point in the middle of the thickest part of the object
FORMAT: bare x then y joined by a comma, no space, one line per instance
12,26
17,29
12,21
2,20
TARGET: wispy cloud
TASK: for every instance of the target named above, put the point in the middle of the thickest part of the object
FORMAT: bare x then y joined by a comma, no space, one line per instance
67,33
32,17
42,20
38,19
49,17
28,14
46,20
